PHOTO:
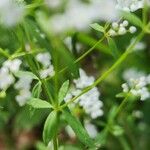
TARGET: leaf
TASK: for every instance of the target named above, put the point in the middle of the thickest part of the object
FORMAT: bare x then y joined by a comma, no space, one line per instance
117,130
113,48
50,127
97,27
121,95
63,91
26,73
132,19
37,90
38,103
80,132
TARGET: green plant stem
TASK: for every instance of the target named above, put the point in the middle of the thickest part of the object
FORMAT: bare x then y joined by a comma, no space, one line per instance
81,57
55,143
113,67
4,53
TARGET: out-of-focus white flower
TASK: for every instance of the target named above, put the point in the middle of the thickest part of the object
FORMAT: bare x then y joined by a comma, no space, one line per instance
70,132
91,129
81,15
6,79
12,65
47,72
23,86
136,84
89,101
23,96
53,3
44,59
11,12
130,5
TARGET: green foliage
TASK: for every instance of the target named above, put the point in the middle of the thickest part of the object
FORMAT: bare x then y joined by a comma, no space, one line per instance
80,132
63,91
50,127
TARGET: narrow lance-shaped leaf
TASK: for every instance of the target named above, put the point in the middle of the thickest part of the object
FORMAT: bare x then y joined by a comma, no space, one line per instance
113,47
37,90
26,73
50,127
132,18
63,91
38,103
97,27
80,132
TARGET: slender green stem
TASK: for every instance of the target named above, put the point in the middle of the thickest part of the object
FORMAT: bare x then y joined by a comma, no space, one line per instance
82,56
4,53
114,66
55,143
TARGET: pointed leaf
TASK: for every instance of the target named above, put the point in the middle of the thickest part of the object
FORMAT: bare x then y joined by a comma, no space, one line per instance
80,132
38,103
26,73
50,127
113,48
97,27
63,91
132,18
37,90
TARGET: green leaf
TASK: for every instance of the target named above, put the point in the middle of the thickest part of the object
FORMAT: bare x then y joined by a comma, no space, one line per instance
80,132
113,48
132,18
38,103
50,127
97,27
121,95
63,91
37,90
26,73
117,130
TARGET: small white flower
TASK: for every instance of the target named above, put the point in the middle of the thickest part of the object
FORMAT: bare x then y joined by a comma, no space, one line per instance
12,65
47,72
23,96
122,31
44,59
115,25
6,79
91,129
125,23
132,29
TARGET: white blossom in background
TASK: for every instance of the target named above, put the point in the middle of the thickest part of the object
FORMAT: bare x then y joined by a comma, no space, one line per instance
136,83
81,15
121,28
6,73
12,65
70,132
91,129
47,68
11,12
130,5
53,3
6,79
140,46
23,86
89,101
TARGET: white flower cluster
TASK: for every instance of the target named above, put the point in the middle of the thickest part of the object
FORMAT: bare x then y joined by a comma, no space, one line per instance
81,14
89,101
130,5
91,129
11,12
6,73
23,86
53,3
137,84
45,60
121,28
